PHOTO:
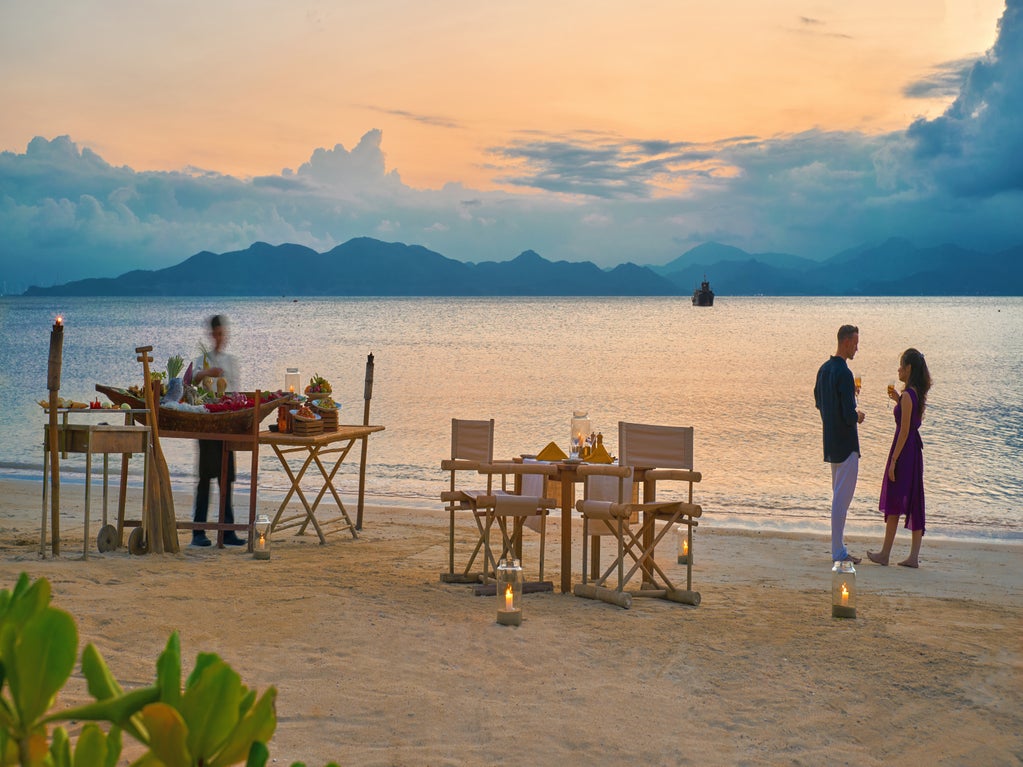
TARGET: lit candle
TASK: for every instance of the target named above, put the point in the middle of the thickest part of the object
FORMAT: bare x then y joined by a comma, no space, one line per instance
508,598
59,322
685,548
845,594
261,538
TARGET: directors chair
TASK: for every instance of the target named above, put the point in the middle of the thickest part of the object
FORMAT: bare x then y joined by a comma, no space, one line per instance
648,454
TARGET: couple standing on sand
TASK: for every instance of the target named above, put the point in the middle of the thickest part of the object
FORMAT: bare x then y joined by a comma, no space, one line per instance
902,489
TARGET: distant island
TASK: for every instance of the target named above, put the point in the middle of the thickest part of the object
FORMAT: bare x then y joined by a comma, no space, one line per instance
367,267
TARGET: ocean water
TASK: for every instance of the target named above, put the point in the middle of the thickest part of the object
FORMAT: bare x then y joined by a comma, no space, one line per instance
741,373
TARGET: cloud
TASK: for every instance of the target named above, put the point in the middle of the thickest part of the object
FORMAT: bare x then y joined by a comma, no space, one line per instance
432,120
944,81
601,166
812,26
363,168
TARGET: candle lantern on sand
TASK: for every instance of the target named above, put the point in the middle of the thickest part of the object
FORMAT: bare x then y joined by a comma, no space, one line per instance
509,592
292,381
683,532
261,538
843,590
580,431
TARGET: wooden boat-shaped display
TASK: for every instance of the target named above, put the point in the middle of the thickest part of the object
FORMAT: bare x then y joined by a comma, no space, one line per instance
230,422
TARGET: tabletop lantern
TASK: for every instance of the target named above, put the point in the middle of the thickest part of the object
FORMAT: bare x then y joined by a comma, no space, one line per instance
509,592
292,381
683,544
843,590
261,539
580,431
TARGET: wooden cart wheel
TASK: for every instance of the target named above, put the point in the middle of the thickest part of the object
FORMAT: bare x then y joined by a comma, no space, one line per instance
107,538
137,543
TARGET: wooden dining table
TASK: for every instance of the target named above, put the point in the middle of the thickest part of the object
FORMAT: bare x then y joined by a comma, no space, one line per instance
567,475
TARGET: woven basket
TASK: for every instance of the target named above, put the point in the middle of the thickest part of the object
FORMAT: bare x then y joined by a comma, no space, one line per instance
306,427
328,416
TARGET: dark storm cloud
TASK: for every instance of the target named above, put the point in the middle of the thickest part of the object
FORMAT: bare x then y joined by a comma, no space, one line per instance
976,147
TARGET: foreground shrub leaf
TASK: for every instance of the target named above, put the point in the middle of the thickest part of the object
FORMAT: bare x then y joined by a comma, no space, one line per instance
168,735
44,656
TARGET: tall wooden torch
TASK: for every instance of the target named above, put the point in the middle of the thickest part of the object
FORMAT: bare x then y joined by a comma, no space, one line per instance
53,384
367,395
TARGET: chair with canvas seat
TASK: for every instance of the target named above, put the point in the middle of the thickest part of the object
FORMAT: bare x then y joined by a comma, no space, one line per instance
472,445
647,454
512,512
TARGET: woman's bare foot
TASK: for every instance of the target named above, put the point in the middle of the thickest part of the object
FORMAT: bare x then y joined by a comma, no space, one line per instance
877,559
909,563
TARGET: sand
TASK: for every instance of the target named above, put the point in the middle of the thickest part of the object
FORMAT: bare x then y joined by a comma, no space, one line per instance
377,662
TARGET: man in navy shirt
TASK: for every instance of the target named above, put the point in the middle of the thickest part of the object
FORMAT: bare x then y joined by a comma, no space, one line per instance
835,397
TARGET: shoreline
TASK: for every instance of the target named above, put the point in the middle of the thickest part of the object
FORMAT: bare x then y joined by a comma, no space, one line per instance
738,521
377,662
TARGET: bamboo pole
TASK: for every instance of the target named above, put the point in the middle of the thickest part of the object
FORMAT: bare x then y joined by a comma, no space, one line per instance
53,384
366,396
160,523
254,470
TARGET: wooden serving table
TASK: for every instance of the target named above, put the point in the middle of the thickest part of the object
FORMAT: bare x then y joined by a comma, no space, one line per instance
327,451
95,439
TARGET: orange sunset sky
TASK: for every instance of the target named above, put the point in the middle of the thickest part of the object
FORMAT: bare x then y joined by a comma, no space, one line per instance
249,87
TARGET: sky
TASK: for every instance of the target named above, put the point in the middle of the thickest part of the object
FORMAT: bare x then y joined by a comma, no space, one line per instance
135,134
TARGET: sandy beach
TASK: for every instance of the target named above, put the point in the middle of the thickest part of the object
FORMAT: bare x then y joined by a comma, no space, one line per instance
377,662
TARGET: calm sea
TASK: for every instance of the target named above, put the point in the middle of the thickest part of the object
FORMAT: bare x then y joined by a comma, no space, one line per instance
741,373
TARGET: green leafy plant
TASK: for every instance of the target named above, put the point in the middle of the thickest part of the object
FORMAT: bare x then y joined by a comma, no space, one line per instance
214,721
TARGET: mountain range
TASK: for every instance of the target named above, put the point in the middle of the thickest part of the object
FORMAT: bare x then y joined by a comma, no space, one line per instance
367,267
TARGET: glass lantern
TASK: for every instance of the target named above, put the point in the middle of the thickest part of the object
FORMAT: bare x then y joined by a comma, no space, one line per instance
580,431
509,592
684,556
261,538
292,381
843,590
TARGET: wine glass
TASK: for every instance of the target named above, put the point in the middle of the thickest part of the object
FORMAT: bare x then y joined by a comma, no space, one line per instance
858,383
893,387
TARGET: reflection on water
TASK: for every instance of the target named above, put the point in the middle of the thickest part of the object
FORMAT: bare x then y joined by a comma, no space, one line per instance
740,372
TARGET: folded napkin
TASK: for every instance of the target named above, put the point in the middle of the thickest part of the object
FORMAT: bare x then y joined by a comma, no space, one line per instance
551,453
599,454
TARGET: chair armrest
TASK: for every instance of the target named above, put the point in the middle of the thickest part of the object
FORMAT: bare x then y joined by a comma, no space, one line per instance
490,501
458,464
681,475
668,507
603,470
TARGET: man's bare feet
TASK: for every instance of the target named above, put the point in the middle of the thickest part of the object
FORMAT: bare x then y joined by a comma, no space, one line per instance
877,559
909,563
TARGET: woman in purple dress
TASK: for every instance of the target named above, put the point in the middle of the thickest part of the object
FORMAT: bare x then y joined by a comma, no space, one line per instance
902,490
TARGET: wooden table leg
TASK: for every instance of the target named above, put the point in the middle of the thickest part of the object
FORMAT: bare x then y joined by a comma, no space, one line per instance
567,494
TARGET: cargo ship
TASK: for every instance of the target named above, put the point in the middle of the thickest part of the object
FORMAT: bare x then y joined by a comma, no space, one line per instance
703,296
